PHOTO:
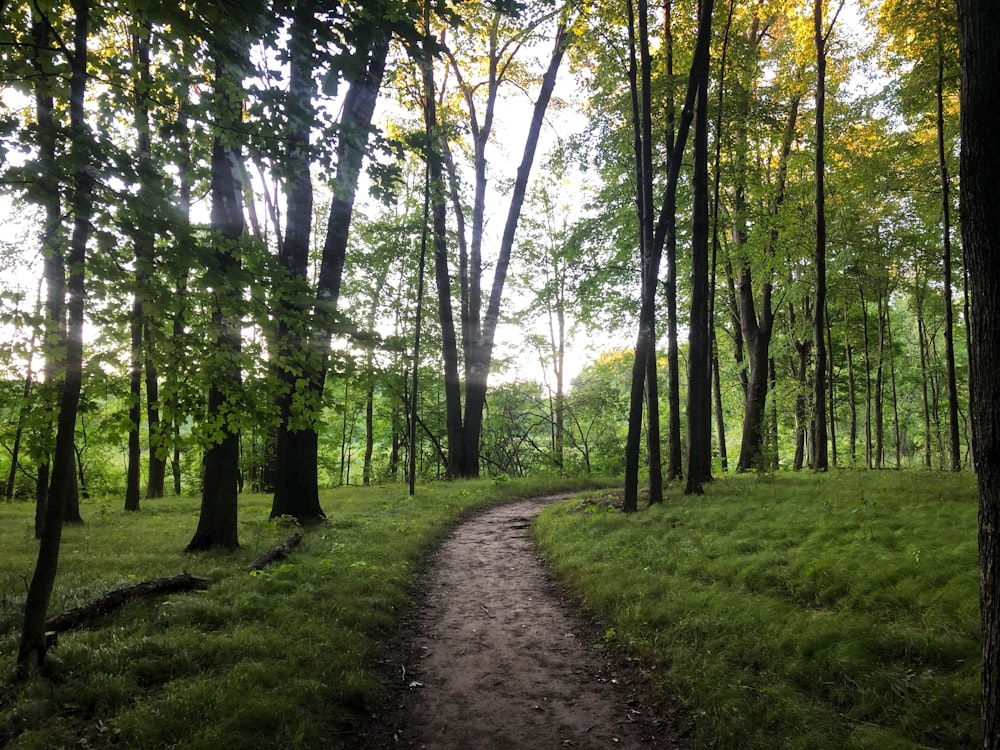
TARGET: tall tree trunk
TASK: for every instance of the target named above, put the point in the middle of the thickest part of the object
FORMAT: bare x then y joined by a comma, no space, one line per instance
699,402
821,462
954,445
979,33
456,465
642,134
53,241
33,644
481,352
142,238
664,234
217,522
296,487
720,421
879,369
832,389
775,460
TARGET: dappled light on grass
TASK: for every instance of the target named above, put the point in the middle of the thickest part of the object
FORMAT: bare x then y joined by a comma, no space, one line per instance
838,611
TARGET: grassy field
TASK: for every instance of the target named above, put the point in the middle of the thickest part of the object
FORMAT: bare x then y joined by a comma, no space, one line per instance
802,611
279,659
786,612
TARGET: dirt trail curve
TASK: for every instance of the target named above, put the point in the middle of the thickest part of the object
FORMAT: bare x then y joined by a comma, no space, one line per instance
496,659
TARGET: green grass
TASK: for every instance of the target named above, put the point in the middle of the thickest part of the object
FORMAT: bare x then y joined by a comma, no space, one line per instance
279,659
836,611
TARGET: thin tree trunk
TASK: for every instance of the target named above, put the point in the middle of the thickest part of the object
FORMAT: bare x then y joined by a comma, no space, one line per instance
53,242
892,384
954,445
33,645
868,377
482,350
832,389
852,390
665,234
699,403
879,410
821,461
922,340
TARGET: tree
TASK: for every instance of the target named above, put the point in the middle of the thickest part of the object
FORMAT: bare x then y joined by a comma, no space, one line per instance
479,323
217,527
699,404
33,644
296,487
664,233
979,29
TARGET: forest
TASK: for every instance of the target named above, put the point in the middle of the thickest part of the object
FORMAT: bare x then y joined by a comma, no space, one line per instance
265,249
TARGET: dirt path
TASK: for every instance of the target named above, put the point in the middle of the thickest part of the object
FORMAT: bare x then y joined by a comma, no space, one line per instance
496,658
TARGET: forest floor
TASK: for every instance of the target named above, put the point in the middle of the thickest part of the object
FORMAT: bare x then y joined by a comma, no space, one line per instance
496,656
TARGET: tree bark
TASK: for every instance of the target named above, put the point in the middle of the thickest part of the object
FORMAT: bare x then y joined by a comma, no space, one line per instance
954,445
821,462
665,233
296,485
33,645
217,522
699,402
296,489
481,352
979,33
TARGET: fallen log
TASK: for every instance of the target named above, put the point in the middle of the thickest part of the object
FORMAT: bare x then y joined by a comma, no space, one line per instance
119,597
275,553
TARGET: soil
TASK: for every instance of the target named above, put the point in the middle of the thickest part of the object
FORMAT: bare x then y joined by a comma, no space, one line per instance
495,656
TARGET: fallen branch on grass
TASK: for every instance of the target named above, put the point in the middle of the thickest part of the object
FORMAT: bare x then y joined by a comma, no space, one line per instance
275,553
119,597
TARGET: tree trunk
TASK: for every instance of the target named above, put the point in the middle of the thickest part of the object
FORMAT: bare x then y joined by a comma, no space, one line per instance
821,462
879,403
32,648
868,377
217,523
296,488
979,33
157,440
949,326
852,391
922,341
699,402
296,484
481,352
53,249
665,233
892,386
832,389
135,408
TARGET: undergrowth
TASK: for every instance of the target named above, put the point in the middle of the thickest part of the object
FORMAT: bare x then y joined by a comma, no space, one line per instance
283,658
836,611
